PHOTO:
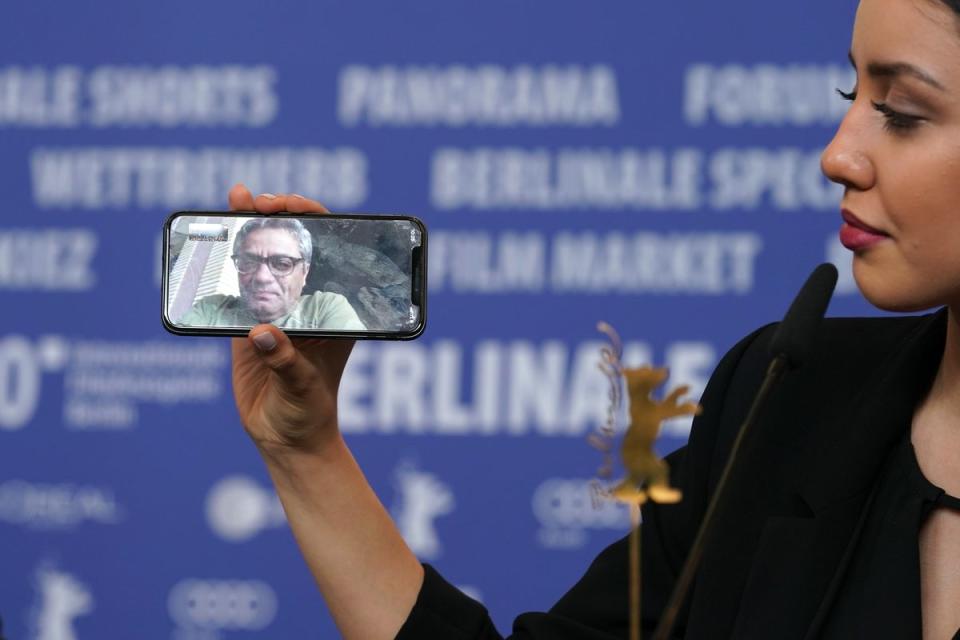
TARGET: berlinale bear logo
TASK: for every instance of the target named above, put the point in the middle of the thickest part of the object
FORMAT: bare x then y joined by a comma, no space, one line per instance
62,598
422,499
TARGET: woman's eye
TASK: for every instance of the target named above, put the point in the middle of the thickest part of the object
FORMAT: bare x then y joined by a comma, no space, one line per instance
847,96
896,120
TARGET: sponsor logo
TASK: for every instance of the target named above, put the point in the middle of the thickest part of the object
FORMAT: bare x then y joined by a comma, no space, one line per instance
213,605
238,508
56,506
61,599
569,508
421,499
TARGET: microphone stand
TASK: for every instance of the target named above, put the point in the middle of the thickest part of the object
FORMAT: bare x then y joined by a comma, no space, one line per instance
789,346
669,617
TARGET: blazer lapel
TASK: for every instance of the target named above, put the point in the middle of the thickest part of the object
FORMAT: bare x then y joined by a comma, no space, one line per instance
797,561
805,546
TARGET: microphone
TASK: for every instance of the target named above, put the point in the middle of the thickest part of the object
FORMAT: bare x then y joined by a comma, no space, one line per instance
794,337
790,347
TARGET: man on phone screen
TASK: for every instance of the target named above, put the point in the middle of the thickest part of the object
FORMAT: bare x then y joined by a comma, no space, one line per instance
272,257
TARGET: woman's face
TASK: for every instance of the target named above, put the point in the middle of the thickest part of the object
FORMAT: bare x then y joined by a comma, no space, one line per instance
897,152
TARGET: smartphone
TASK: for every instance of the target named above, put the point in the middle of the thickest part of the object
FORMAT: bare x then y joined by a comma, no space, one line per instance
330,275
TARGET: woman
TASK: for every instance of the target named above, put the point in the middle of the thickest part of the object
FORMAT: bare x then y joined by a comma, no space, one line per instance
835,527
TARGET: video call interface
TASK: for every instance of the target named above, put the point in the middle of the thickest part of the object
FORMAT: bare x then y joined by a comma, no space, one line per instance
315,273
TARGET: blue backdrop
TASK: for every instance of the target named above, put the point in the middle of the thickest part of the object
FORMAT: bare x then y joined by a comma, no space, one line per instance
653,165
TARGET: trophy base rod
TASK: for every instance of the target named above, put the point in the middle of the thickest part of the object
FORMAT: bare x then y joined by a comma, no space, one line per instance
635,571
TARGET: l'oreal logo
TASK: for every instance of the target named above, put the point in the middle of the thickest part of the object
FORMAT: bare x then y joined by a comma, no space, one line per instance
207,232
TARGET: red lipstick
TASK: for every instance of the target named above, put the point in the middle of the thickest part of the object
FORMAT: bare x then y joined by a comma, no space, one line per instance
856,235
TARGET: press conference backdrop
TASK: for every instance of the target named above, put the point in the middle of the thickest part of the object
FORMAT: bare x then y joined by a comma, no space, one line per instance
651,164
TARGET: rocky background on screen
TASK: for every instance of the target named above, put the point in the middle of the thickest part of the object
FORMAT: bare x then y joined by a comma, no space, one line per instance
370,263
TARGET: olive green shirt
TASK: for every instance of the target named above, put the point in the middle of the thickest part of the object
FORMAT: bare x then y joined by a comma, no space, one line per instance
319,310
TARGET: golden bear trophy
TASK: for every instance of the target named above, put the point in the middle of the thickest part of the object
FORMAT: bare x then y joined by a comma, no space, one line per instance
647,476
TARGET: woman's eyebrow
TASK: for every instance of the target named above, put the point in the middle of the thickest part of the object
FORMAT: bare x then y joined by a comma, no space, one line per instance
895,69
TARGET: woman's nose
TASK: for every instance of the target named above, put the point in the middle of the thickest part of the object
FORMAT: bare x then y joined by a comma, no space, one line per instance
846,159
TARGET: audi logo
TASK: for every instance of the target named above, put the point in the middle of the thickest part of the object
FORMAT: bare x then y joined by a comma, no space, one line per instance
222,604
569,503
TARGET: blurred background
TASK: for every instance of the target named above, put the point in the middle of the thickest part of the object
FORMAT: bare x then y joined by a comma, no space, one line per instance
654,165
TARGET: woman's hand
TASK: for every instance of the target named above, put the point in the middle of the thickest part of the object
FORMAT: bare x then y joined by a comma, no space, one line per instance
286,391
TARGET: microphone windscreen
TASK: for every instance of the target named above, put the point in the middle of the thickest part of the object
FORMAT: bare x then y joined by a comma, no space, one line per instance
794,337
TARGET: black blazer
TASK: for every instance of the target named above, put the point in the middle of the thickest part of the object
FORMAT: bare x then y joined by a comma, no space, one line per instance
794,504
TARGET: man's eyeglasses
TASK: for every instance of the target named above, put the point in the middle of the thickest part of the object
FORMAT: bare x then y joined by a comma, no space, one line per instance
278,265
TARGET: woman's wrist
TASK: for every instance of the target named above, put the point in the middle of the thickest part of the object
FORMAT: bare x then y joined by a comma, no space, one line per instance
318,441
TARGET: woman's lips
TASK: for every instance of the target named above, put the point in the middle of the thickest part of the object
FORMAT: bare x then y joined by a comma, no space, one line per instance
857,235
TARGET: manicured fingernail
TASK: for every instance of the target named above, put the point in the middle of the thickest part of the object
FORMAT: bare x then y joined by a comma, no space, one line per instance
265,341
268,196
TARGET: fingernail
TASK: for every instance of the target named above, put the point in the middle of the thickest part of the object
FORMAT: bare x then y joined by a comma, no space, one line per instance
268,196
265,341
297,196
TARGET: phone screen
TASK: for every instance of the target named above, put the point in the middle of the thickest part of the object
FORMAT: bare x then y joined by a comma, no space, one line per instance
325,275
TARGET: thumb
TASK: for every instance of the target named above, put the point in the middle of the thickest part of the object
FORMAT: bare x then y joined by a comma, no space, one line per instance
277,352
